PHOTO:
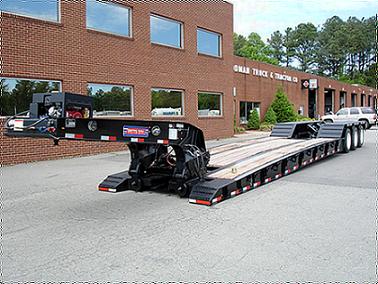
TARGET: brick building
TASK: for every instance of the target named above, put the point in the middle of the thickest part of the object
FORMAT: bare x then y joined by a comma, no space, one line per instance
150,60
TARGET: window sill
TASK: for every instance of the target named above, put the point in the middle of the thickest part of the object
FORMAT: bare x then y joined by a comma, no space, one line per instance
31,19
110,34
168,117
210,117
210,56
167,46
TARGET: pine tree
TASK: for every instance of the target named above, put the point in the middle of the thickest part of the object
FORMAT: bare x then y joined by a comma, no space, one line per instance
254,120
283,108
270,116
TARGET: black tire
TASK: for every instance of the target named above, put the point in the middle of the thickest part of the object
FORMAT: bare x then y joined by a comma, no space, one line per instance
347,141
354,132
366,123
369,126
328,121
361,136
183,190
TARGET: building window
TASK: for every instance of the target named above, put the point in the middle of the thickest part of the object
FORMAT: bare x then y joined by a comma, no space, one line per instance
167,102
166,31
209,104
111,100
245,110
42,9
209,43
17,94
108,17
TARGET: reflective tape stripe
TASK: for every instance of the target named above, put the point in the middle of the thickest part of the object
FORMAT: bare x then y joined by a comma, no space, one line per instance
278,176
218,199
236,192
108,138
166,142
202,202
74,136
256,184
137,140
268,180
248,187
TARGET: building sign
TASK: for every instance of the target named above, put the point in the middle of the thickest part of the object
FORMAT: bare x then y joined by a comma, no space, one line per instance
305,84
264,74
313,84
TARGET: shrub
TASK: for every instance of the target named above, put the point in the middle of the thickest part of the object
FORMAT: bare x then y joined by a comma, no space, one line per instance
238,130
270,116
283,108
303,118
266,126
254,120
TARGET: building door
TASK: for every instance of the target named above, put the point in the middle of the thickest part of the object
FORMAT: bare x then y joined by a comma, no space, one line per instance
363,100
354,100
342,99
328,100
311,103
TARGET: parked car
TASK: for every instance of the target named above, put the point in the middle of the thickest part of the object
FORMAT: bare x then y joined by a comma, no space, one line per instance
365,114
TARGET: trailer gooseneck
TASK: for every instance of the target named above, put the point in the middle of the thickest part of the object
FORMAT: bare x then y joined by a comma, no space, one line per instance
173,155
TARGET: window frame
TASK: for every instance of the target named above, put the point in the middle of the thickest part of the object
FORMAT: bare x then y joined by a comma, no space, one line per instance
131,100
221,95
130,36
243,122
39,80
170,90
169,20
220,42
59,15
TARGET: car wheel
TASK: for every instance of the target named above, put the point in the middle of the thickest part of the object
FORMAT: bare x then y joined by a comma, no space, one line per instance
354,138
328,121
366,123
347,141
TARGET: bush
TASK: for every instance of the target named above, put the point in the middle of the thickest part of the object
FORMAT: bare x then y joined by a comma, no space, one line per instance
283,108
238,130
254,120
303,118
270,116
266,126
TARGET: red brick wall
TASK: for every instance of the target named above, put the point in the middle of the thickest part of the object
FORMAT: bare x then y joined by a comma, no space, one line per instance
259,89
68,52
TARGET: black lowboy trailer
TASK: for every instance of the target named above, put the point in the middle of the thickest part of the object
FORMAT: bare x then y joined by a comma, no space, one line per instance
173,155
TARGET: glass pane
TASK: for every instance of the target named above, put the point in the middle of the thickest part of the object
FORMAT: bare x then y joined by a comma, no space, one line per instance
243,112
354,111
368,111
108,17
17,94
41,9
166,103
110,100
208,43
165,31
209,104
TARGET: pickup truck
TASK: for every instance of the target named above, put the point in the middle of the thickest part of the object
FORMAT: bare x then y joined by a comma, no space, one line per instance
365,114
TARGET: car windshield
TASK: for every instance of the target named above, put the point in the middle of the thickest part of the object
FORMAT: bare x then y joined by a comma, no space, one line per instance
342,112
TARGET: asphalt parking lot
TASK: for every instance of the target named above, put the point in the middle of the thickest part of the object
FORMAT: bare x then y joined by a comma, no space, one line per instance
317,225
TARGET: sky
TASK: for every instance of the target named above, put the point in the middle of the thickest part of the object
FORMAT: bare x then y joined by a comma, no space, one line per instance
267,16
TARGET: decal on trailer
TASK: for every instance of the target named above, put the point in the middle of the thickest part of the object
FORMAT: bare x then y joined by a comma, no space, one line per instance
135,131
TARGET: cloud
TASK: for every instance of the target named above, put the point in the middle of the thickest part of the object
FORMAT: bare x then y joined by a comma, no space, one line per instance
267,16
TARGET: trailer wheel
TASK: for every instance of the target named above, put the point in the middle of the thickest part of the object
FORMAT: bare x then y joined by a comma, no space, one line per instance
347,141
361,136
354,138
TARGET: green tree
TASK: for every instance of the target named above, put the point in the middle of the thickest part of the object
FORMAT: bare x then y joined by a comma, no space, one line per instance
270,116
254,120
276,42
239,42
256,49
332,56
305,45
283,108
289,47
